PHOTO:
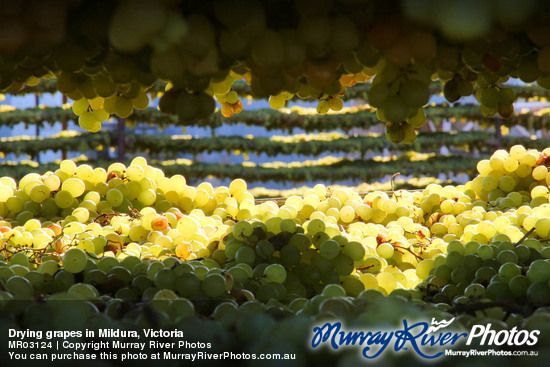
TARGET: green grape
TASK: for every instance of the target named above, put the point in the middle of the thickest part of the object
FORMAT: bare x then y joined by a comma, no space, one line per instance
74,260
542,227
39,193
264,249
385,250
19,258
424,267
347,214
288,225
242,230
329,249
88,121
386,281
95,277
539,293
20,287
237,186
290,255
275,273
64,199
454,259
476,291
316,226
485,252
333,290
507,256
456,246
214,285
135,173
415,93
355,250
63,280
245,255
83,291
48,267
539,271
36,279
300,241
165,279
275,102
80,106
114,197
188,284
484,274
518,285
395,109
107,263
507,271
343,264
74,186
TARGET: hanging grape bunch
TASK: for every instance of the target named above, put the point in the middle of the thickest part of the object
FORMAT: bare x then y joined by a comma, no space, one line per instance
107,55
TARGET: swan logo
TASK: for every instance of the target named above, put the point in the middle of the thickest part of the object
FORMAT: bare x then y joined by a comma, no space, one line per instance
438,325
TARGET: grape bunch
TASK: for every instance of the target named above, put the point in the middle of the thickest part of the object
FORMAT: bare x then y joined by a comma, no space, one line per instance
128,240
303,51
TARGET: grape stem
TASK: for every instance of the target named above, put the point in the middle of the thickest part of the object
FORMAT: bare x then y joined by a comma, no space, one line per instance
525,236
397,248
392,184
364,267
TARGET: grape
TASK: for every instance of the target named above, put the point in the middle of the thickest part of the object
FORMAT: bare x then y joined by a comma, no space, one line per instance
74,186
165,279
114,197
343,264
68,166
275,102
329,249
147,197
354,250
347,214
290,255
539,270
242,230
507,256
63,199
518,285
214,285
475,291
385,250
333,290
83,291
20,287
386,281
275,273
245,255
316,226
539,293
135,173
508,271
237,186
74,260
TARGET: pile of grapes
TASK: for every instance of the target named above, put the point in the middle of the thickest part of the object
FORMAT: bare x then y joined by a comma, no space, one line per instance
131,248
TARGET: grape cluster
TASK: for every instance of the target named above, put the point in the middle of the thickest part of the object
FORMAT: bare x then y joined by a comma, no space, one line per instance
298,50
128,239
